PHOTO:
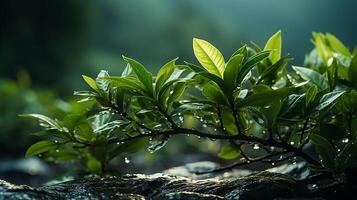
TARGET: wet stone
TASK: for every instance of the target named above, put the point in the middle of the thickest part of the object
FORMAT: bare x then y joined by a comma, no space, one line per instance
264,185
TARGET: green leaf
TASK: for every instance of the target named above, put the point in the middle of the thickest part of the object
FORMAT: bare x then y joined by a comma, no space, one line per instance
352,73
328,99
265,98
232,69
40,147
312,76
63,155
321,47
164,93
271,112
84,132
127,71
274,44
243,51
45,121
101,82
293,106
91,82
228,121
164,74
273,69
310,95
214,93
53,133
228,152
143,75
130,83
250,63
337,46
177,92
94,165
209,57
325,149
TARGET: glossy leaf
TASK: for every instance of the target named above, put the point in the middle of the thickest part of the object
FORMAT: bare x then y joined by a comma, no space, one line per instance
325,149
214,93
328,99
164,74
265,98
177,92
45,121
143,75
312,76
228,121
232,69
250,63
310,95
273,69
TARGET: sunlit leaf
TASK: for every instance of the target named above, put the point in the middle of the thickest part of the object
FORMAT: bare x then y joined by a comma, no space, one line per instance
274,44
337,45
90,82
209,57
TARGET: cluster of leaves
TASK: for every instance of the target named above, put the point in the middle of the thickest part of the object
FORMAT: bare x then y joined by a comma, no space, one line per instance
258,109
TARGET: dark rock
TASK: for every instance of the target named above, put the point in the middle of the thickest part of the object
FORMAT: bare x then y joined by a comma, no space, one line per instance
263,185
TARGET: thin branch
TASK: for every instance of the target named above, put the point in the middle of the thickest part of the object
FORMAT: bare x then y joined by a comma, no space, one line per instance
238,164
176,130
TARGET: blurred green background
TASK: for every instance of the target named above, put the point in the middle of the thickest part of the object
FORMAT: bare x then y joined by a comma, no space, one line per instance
45,46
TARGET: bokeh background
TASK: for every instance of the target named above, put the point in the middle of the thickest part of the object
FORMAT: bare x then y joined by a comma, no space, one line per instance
45,47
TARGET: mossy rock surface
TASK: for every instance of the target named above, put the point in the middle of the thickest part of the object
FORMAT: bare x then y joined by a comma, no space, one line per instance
264,185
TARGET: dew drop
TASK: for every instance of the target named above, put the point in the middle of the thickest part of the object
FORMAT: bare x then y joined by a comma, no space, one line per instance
256,146
126,160
345,140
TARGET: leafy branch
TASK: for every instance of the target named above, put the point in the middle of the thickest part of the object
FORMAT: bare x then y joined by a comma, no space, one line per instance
257,109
